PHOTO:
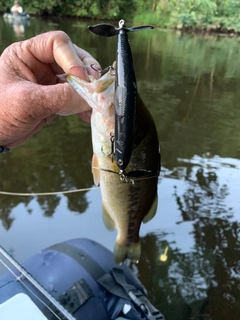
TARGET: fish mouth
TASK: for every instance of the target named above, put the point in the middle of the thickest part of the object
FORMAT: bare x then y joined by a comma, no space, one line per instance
98,93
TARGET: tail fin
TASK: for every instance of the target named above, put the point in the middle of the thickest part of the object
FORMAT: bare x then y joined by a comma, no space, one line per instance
123,252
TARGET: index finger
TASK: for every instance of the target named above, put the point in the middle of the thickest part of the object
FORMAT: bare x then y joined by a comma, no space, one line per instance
88,61
57,47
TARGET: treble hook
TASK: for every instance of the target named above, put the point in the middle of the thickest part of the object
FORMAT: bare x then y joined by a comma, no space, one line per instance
112,147
124,178
131,176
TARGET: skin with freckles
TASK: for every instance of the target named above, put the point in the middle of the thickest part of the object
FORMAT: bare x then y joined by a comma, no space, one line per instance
31,94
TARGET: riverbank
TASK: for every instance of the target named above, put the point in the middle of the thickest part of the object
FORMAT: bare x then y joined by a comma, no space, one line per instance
218,16
191,22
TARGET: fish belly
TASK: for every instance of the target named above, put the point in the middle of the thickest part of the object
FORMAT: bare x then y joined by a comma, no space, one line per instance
125,206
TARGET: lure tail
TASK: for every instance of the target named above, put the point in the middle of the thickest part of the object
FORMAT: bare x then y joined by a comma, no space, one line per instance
108,30
104,30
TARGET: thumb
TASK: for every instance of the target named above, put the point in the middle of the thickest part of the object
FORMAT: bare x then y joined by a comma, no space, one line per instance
59,99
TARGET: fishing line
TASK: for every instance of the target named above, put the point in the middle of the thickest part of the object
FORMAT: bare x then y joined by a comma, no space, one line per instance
25,194
25,274
129,177
24,284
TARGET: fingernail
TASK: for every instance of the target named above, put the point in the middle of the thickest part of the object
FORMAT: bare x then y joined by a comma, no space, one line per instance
79,71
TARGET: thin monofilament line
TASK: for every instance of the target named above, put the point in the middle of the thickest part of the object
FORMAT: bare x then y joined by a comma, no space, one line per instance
25,194
27,288
37,285
131,178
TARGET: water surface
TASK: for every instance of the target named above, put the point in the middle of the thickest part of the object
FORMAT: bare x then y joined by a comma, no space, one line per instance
191,85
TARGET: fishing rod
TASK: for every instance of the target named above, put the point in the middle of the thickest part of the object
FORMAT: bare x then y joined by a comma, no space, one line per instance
36,284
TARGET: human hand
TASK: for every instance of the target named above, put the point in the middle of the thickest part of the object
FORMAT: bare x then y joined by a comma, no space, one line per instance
31,94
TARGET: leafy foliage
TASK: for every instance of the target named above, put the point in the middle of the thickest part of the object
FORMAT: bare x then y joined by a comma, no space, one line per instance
105,9
165,13
215,14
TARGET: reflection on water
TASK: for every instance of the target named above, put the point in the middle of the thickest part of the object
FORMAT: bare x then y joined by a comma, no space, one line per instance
18,24
190,84
19,29
44,174
200,277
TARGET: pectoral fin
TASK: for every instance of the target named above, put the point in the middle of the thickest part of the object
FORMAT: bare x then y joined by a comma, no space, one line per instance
95,171
107,220
152,211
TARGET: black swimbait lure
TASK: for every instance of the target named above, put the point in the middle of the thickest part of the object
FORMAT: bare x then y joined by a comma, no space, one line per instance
125,96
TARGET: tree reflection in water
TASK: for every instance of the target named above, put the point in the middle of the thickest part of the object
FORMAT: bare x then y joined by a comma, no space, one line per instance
30,170
204,282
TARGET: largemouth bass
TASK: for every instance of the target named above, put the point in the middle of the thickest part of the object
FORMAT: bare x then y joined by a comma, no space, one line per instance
131,198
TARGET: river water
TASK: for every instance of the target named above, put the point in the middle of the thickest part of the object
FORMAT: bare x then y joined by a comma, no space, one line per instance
190,84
